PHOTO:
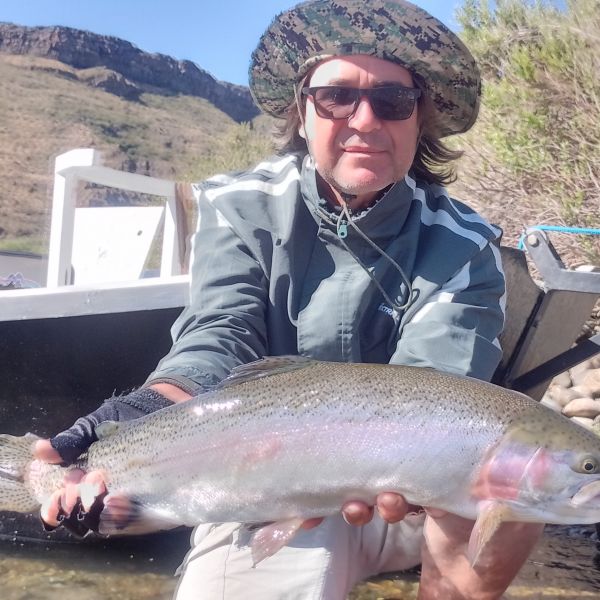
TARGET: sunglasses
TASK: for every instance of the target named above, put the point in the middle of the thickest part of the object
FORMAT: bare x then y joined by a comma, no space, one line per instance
389,103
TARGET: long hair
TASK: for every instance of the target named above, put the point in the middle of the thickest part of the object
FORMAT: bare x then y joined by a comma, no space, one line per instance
433,158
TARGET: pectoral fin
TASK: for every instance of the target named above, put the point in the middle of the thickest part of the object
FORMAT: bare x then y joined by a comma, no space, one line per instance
272,537
491,516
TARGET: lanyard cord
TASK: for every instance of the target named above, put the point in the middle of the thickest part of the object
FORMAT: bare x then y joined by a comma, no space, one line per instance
342,232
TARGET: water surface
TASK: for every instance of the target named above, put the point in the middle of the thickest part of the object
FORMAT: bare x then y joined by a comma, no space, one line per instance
565,565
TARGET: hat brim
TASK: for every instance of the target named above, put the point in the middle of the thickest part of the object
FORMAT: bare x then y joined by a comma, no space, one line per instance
393,30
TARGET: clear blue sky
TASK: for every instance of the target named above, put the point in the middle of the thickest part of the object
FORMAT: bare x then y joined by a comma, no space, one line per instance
218,35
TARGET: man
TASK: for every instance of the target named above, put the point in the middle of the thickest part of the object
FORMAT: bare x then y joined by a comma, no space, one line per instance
345,248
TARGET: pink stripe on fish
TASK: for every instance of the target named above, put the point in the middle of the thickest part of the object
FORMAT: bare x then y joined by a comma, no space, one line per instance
510,470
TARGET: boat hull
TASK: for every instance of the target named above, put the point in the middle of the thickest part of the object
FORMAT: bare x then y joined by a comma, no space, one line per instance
56,369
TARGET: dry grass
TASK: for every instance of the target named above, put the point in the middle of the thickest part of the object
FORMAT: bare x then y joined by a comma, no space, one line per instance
47,110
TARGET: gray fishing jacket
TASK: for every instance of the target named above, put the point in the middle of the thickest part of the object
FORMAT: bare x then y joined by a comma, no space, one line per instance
271,276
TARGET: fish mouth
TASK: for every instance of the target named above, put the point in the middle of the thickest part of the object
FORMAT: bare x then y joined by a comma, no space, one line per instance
586,494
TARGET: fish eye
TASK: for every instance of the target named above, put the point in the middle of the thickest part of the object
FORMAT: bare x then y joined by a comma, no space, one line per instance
589,465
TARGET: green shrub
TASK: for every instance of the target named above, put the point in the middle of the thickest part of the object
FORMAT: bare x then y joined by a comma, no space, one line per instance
241,146
537,142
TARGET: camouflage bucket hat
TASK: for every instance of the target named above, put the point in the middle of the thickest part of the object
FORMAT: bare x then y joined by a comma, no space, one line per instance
394,30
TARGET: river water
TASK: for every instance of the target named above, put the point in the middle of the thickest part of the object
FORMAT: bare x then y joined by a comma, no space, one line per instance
565,565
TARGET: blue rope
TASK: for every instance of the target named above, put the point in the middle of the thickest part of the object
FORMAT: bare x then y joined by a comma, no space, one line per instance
560,228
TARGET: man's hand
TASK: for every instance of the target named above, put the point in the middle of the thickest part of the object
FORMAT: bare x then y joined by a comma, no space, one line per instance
78,486
85,489
391,507
446,573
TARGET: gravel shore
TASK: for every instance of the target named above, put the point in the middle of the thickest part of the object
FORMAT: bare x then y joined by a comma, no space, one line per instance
576,392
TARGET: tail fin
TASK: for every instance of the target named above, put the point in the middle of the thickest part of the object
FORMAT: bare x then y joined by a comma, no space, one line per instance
15,457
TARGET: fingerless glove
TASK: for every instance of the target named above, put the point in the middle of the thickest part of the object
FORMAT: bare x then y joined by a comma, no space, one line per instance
77,439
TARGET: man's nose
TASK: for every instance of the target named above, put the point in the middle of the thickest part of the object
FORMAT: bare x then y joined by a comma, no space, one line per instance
364,119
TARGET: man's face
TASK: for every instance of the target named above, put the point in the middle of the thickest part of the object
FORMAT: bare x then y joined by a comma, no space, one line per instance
362,154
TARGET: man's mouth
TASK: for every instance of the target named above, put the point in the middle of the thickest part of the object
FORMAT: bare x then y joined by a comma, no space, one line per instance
362,150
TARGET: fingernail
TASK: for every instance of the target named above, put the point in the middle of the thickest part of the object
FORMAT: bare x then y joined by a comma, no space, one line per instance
350,515
88,493
390,501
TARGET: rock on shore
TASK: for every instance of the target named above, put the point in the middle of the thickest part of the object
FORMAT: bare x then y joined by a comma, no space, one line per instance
576,393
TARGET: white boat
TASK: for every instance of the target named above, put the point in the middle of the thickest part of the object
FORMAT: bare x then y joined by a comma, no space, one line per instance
98,323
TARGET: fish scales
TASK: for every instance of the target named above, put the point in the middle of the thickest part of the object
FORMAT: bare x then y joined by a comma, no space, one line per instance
265,433
292,438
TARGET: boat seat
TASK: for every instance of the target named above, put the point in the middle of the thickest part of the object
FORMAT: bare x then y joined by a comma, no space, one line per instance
90,245
112,243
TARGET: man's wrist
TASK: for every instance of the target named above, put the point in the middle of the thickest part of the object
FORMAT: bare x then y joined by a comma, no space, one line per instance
171,392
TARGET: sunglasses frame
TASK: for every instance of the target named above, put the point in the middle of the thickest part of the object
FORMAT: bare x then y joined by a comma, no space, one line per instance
412,93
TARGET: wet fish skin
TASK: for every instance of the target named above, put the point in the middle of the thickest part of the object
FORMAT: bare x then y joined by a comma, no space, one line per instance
288,439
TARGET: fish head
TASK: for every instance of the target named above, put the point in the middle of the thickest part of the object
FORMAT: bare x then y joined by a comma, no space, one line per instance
546,469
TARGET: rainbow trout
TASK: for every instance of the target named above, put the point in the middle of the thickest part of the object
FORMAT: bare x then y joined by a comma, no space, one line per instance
286,439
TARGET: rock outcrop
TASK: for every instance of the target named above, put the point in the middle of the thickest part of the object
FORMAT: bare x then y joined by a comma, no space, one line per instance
135,71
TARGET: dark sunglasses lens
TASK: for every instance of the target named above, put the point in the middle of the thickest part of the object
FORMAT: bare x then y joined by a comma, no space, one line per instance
335,102
389,103
392,104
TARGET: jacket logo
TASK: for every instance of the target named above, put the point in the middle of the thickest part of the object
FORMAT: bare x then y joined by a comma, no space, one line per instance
384,308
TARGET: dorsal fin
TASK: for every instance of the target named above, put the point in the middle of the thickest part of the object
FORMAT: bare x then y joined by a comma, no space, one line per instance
265,367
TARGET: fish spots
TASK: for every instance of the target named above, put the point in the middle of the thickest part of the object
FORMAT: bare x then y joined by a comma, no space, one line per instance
135,462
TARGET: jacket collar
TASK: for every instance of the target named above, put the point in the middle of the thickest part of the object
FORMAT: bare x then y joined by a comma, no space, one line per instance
383,220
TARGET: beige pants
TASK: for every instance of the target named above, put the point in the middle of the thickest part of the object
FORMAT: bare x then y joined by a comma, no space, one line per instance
323,563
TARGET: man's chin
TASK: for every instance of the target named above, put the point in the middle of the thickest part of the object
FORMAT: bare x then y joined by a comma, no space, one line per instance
365,184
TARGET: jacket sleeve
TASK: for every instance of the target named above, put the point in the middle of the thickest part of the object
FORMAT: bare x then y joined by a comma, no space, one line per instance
456,328
224,324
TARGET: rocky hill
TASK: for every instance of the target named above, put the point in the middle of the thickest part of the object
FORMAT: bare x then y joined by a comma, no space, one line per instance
125,70
64,89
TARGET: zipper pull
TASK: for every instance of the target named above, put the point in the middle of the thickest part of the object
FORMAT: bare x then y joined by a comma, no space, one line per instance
342,230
